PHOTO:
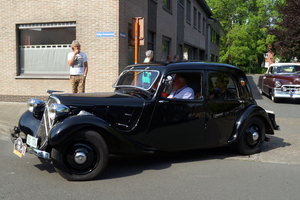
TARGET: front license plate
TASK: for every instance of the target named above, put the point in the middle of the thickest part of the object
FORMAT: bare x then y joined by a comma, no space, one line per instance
19,147
32,141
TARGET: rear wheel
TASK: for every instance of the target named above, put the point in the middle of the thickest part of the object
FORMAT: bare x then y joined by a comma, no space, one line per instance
252,138
83,156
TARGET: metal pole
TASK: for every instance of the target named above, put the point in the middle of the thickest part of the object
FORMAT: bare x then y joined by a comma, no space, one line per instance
136,41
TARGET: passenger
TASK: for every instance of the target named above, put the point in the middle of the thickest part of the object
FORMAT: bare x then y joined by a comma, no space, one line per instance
221,92
180,88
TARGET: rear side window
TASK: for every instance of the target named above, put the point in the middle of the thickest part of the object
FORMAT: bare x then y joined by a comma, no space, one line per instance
221,86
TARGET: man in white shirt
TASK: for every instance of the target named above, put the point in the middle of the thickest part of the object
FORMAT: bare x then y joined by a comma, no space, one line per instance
77,61
180,89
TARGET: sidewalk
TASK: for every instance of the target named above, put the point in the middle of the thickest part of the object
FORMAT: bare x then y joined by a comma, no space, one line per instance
10,113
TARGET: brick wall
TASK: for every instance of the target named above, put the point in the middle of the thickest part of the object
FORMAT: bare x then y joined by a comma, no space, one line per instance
90,17
107,55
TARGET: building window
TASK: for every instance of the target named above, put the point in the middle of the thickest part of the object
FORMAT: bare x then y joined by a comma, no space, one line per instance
167,4
166,46
44,48
151,36
188,11
199,21
181,2
195,17
204,26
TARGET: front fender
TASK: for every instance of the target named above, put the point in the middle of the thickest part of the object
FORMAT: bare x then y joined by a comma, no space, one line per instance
249,112
63,130
72,124
29,124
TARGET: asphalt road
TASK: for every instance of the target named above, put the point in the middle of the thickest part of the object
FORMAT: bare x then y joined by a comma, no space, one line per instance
203,174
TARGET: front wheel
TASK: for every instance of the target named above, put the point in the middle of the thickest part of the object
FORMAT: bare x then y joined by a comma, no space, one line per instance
252,138
83,156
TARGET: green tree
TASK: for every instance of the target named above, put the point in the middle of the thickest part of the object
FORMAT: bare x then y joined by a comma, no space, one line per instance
286,30
245,24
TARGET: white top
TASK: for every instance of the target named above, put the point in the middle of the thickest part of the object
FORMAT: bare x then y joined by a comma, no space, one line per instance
78,65
183,93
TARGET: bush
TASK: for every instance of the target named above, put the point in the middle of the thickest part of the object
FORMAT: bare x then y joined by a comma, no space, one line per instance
254,70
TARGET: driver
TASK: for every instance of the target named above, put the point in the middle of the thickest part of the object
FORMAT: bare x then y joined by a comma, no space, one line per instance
180,88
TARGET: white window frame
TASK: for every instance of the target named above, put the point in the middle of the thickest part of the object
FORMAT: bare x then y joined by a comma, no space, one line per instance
44,61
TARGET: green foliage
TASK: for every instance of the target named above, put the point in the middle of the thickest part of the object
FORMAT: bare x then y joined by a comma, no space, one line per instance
286,30
254,70
245,23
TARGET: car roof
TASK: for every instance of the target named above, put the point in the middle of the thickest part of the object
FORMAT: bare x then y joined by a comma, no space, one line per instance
283,64
183,65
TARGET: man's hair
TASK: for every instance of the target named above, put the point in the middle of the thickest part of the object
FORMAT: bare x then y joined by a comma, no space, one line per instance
224,79
148,53
184,77
75,43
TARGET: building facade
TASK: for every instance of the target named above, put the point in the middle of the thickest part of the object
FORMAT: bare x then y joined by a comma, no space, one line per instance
36,38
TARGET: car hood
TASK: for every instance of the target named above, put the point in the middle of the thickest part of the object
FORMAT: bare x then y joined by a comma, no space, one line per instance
120,110
98,99
291,78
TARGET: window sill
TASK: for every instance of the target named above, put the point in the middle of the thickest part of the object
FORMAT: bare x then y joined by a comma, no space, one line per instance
43,76
168,10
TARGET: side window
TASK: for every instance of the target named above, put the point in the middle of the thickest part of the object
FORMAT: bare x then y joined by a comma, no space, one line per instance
221,87
184,86
271,70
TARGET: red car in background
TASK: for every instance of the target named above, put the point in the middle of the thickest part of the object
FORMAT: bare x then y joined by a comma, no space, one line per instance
282,80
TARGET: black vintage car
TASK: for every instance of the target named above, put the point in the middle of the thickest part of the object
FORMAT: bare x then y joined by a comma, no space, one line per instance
78,132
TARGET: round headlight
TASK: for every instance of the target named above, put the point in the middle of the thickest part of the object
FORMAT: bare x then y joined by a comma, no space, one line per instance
35,103
277,84
57,110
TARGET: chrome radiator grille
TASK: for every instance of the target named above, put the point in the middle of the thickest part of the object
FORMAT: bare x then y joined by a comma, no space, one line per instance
288,88
45,126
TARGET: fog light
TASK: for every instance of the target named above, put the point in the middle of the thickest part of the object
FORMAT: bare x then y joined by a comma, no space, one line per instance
284,89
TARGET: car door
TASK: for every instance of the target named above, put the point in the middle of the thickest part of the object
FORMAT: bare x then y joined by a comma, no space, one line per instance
179,123
223,105
267,80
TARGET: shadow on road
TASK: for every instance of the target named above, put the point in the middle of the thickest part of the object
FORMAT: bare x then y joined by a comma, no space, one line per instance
123,166
255,91
130,165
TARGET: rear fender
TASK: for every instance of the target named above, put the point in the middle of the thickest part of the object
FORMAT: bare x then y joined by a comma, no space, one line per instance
249,112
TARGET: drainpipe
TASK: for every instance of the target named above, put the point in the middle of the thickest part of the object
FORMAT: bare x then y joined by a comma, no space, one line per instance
209,22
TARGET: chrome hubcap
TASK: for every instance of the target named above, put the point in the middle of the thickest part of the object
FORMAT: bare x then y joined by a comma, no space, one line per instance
80,157
255,136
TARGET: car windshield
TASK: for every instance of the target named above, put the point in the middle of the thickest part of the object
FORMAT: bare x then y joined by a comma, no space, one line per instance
286,69
143,79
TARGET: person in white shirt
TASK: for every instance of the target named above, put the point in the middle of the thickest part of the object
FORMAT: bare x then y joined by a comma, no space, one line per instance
180,89
78,63
149,56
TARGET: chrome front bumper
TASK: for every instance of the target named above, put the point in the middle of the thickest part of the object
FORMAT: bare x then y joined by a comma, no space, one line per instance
37,152
279,93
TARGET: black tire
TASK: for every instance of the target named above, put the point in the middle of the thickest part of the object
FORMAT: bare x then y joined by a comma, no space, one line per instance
274,99
90,151
252,138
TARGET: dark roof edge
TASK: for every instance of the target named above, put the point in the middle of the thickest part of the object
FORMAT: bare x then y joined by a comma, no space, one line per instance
204,5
